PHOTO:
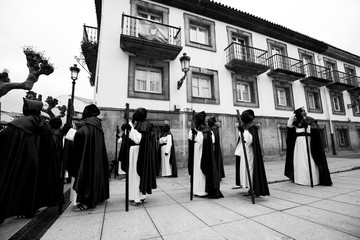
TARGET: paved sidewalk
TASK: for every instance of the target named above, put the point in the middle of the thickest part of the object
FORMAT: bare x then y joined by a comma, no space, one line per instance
290,212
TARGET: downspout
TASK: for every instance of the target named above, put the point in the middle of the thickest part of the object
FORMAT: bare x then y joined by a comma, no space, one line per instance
328,115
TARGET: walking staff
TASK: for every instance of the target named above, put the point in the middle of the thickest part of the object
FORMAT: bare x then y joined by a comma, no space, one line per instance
308,155
116,162
192,154
246,159
126,139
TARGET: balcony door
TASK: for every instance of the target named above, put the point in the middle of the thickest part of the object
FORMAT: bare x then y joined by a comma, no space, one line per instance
240,50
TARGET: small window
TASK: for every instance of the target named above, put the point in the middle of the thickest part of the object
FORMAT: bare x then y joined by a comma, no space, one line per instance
331,65
283,95
283,136
337,103
243,92
201,86
148,79
355,105
343,137
351,72
199,32
313,99
150,16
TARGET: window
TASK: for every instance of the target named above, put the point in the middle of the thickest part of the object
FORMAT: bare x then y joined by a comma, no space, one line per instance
150,16
351,72
148,79
308,59
245,91
331,65
202,86
283,136
313,99
283,95
199,32
149,11
343,136
337,103
277,51
355,101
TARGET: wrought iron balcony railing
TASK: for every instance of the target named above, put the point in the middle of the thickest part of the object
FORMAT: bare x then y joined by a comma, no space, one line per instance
245,53
150,30
90,34
341,77
278,61
317,71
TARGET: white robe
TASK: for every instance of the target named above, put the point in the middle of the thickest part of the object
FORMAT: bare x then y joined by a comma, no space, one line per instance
301,164
199,179
239,151
165,164
134,178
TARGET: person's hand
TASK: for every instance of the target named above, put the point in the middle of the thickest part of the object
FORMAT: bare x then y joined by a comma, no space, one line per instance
166,154
126,126
66,128
193,130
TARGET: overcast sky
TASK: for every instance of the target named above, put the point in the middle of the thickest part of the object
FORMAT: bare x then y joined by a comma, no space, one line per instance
56,27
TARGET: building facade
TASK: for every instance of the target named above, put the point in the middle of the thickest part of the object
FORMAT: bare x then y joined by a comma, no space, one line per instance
238,61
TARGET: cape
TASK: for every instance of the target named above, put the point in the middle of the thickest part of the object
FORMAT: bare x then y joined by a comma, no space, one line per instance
89,161
146,164
29,167
259,181
317,152
217,151
208,164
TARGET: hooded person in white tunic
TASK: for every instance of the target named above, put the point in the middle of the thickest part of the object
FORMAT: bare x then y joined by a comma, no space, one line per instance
168,159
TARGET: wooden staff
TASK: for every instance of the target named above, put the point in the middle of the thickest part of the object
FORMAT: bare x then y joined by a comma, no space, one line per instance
126,139
308,155
246,159
193,167
116,167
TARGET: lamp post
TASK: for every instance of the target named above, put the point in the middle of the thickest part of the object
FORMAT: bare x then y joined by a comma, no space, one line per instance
185,65
74,76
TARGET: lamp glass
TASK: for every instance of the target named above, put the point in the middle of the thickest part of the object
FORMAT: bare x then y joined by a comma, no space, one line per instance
74,72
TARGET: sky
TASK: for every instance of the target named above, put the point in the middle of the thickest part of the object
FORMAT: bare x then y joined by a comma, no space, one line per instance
56,27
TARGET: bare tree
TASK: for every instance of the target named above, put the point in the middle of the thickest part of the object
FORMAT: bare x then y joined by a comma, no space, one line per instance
37,65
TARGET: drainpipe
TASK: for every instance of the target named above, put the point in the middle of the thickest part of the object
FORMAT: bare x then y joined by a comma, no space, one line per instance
327,111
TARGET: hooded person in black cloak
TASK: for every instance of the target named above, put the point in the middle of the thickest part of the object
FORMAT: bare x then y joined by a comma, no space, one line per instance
254,156
202,163
141,158
217,148
167,153
29,164
88,161
302,128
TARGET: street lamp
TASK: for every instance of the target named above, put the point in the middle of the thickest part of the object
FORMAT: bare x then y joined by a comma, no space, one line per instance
74,76
185,65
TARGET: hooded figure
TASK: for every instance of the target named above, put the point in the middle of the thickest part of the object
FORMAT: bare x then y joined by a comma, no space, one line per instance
29,164
167,155
141,159
217,147
304,144
201,163
254,157
88,161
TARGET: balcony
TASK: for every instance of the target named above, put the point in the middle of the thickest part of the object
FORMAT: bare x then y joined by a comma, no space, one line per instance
285,68
316,76
341,81
89,48
246,60
356,89
149,39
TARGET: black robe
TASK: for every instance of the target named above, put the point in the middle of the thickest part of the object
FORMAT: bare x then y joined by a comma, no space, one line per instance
208,164
259,181
317,152
146,164
89,163
29,167
217,151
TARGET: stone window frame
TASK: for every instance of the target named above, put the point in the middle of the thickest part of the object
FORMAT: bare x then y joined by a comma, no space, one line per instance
150,8
345,130
341,98
201,22
355,98
273,43
289,97
215,89
239,33
252,81
307,90
146,62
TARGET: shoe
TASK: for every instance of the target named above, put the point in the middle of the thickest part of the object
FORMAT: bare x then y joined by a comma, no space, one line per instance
80,207
246,194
